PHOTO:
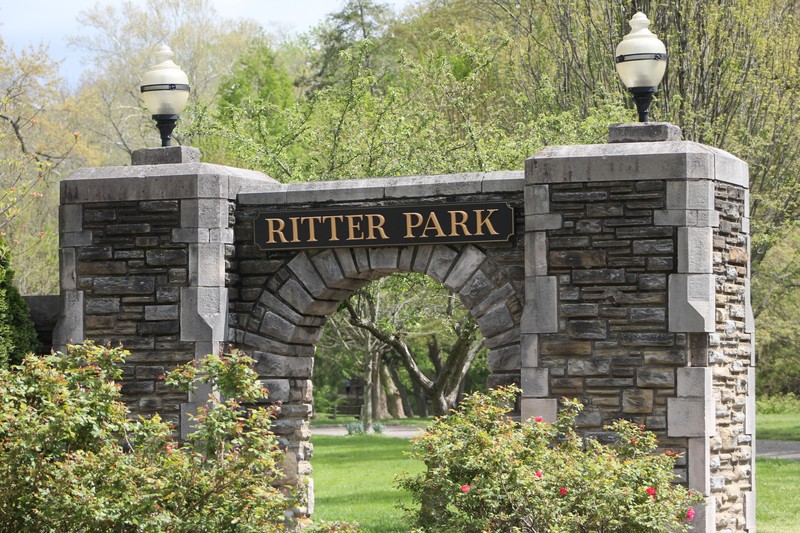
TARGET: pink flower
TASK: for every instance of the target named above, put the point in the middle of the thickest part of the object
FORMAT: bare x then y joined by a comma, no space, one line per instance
465,488
563,491
651,491
538,419
538,474
690,513
169,449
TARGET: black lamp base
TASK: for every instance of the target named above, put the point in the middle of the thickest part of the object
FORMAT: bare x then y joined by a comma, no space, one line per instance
165,125
642,97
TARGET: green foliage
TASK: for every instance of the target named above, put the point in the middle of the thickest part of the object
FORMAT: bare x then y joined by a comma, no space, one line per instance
778,404
488,473
71,460
17,334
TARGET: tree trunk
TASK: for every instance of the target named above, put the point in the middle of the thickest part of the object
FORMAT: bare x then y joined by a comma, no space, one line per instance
420,399
366,409
380,408
394,403
403,390
440,404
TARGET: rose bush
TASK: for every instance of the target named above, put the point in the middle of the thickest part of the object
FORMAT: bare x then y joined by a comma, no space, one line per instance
72,460
486,472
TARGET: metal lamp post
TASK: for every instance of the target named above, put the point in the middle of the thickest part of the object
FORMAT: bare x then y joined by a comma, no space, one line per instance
641,60
165,90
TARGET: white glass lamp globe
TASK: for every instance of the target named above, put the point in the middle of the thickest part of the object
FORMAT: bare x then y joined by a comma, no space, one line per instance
641,57
165,87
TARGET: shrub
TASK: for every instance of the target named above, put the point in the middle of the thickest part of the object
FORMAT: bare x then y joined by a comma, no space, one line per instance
778,404
71,460
17,333
486,472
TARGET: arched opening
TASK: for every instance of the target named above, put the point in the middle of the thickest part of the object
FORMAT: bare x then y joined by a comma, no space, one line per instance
282,327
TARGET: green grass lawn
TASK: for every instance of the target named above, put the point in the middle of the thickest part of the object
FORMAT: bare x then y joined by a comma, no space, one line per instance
778,427
354,480
777,496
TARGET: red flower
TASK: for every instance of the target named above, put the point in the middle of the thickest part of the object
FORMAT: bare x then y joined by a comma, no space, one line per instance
538,419
465,488
690,513
563,491
651,491
538,474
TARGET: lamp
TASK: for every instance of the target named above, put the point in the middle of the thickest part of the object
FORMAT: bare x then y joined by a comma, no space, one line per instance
641,60
165,90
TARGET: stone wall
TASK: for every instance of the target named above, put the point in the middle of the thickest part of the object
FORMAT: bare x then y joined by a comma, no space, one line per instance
143,252
732,363
280,300
637,303
131,273
626,285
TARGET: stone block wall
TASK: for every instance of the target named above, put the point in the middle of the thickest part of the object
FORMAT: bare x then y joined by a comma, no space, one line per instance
143,254
731,358
626,285
612,348
130,272
280,300
637,303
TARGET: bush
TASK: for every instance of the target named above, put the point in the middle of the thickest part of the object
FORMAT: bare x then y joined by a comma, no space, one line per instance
486,472
71,460
17,333
778,404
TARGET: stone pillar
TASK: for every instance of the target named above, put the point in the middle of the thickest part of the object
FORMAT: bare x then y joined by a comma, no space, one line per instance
143,252
637,302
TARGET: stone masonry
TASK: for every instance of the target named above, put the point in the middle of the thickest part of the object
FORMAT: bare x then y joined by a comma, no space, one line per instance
143,264
637,303
626,285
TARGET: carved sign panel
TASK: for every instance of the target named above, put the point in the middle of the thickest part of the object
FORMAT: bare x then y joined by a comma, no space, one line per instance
385,226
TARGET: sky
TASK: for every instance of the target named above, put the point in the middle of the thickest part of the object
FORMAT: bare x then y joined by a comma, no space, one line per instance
24,22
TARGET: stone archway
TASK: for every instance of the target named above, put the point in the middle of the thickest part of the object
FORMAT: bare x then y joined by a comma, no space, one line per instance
626,284
289,315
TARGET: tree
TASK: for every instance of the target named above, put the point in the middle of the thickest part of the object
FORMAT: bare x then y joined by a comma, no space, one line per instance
421,310
726,83
120,46
425,94
17,334
256,82
358,21
36,147
363,352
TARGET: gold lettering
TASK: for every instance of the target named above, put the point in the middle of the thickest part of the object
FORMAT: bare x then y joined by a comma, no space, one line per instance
375,223
480,221
295,229
312,234
433,224
275,226
410,226
458,219
332,219
353,225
